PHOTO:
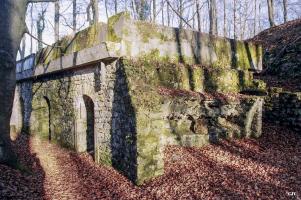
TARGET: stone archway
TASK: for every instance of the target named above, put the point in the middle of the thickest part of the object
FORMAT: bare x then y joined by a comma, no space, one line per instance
85,125
40,120
47,119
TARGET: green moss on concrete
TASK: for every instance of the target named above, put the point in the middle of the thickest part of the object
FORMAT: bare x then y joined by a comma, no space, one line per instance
222,49
148,72
198,79
151,31
222,80
112,23
86,38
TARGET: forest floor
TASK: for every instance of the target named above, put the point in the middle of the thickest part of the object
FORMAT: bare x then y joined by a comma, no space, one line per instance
266,168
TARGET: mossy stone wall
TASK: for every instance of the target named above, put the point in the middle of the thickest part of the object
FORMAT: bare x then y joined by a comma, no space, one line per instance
177,119
63,118
283,108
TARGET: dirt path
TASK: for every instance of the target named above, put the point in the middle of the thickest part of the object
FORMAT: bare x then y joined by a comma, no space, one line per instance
267,168
72,176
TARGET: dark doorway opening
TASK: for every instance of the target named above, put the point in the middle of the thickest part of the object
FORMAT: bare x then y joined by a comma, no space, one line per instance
90,125
24,128
48,118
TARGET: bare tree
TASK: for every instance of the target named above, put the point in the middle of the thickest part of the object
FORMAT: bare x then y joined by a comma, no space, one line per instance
212,17
255,17
93,5
180,13
116,6
74,16
162,11
12,28
285,10
95,11
31,29
56,21
168,14
234,20
106,8
154,11
141,8
271,12
225,19
41,28
197,4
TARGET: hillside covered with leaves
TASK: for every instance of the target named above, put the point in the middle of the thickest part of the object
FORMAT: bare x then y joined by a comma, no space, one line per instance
282,55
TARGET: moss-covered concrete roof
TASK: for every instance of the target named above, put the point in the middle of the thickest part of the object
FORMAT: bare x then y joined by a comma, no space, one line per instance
125,37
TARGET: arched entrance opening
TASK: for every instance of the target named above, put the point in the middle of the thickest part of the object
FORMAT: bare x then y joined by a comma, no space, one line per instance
90,141
47,118
40,120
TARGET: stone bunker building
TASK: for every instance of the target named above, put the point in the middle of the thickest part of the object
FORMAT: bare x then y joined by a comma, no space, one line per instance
125,90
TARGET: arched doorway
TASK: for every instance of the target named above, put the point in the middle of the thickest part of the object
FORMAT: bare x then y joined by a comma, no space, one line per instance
89,105
47,122
40,120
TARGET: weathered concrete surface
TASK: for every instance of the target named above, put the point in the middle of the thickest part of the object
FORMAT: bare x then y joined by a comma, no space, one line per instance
169,112
124,37
125,90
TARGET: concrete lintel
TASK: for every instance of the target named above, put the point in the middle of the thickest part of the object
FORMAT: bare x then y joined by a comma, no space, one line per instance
80,58
104,52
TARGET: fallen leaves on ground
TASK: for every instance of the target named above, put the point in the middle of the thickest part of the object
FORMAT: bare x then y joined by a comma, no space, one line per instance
267,168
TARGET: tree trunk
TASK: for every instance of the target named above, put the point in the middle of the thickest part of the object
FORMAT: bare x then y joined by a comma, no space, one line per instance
259,20
212,17
56,21
134,10
12,28
180,11
225,18
154,11
234,20
94,4
255,17
271,12
31,29
115,6
168,14
40,29
142,9
198,15
74,15
162,11
106,8
89,19
285,10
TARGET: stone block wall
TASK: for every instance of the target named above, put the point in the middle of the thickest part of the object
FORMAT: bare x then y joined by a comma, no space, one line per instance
54,107
283,108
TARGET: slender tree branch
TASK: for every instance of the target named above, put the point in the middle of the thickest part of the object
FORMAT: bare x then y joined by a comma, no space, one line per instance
34,37
179,15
